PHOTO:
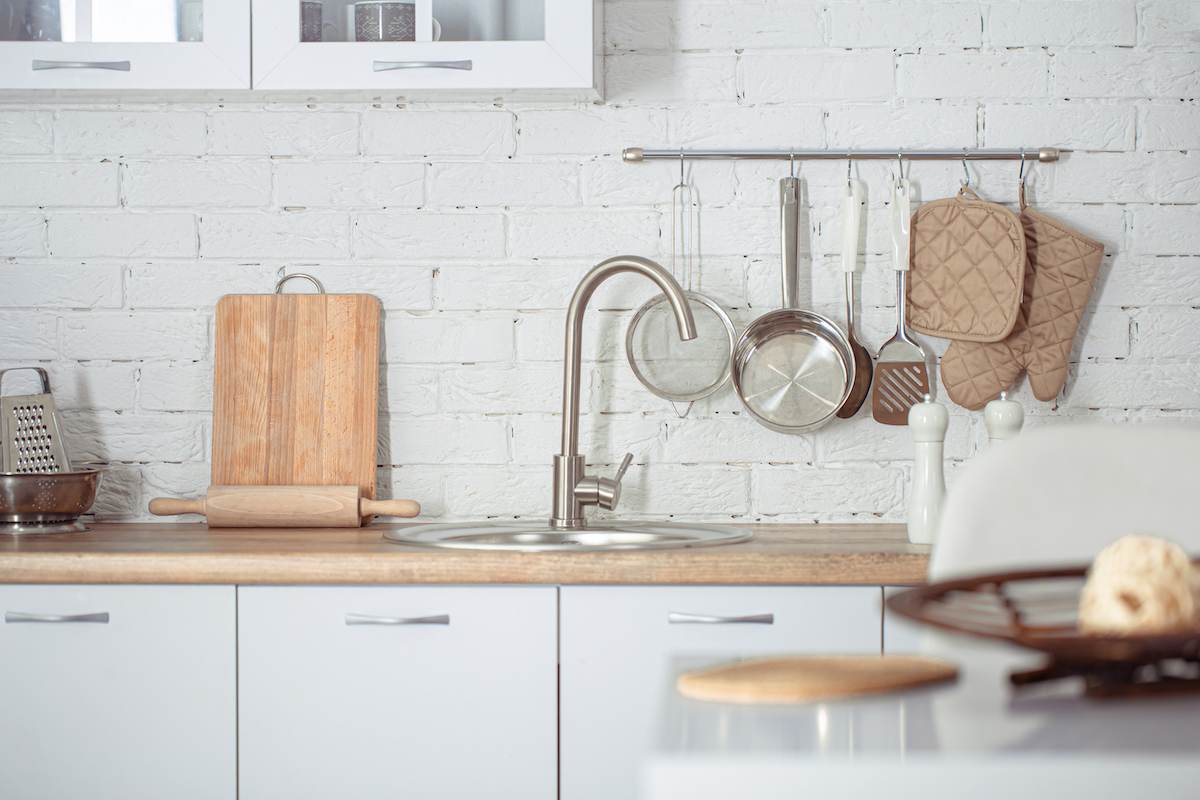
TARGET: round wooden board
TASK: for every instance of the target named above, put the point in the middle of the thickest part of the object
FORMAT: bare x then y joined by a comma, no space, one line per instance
806,679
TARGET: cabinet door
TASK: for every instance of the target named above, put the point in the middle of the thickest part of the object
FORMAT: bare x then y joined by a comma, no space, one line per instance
386,692
493,45
901,636
623,647
118,692
116,44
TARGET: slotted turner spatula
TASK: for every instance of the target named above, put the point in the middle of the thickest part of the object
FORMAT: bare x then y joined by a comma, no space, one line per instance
901,377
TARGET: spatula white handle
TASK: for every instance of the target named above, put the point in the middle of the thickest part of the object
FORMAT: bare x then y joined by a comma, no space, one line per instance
851,218
901,222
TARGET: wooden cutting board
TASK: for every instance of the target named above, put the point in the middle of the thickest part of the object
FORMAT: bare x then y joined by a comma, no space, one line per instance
807,679
296,390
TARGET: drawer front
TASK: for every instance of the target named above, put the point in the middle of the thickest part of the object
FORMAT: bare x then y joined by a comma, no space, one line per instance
424,692
118,692
623,647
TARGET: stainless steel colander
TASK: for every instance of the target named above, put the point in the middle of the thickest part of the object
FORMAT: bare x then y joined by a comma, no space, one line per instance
49,502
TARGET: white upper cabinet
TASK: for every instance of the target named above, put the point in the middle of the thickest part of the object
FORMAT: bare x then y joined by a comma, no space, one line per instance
120,45
416,49
493,45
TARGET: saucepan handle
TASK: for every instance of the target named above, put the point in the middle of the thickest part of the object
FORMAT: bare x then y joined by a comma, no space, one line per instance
789,227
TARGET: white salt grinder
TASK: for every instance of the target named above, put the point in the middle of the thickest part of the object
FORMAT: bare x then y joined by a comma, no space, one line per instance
928,422
1003,419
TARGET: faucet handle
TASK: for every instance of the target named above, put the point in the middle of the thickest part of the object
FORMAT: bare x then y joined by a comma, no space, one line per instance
608,490
603,492
624,466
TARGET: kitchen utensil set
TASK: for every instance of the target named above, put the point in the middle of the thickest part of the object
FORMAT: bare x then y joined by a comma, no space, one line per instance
792,370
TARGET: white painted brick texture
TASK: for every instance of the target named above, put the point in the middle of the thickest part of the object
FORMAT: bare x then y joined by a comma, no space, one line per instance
121,225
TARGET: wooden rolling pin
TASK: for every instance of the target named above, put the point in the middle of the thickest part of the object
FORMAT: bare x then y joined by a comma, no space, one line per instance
284,507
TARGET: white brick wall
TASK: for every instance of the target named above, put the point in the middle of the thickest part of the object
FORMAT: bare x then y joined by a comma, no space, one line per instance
122,224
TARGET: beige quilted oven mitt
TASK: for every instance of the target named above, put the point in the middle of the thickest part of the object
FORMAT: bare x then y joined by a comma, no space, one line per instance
1060,270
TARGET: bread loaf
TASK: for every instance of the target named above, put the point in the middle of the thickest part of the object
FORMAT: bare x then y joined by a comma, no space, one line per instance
1140,585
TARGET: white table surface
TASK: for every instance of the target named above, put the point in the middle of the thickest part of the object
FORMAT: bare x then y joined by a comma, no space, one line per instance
978,738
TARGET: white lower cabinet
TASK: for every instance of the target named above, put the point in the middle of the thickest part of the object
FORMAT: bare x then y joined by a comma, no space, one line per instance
901,636
118,692
397,692
266,692
622,648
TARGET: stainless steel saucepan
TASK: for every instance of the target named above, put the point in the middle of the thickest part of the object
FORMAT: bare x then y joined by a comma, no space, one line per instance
792,369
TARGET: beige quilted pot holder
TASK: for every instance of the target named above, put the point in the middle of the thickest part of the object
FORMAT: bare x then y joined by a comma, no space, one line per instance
967,269
1060,271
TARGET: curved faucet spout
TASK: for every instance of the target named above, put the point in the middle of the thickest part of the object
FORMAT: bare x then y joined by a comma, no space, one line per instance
573,358
568,467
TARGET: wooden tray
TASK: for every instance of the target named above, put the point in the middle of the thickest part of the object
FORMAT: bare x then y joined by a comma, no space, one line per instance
810,679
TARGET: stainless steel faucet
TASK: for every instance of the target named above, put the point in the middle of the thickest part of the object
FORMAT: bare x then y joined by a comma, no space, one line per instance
573,488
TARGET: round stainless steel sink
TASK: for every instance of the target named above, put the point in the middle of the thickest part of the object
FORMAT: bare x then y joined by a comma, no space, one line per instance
534,536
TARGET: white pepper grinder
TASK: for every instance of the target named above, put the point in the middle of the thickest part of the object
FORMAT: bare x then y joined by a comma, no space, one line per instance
928,422
1003,419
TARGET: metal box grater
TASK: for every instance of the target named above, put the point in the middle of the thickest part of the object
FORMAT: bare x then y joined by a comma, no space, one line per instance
29,435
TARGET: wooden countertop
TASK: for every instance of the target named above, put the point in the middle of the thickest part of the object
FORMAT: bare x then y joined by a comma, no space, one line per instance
192,553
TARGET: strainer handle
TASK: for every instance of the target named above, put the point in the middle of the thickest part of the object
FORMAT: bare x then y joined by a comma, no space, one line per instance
40,371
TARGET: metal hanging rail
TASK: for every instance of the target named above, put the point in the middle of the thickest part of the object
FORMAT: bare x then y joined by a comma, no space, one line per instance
636,155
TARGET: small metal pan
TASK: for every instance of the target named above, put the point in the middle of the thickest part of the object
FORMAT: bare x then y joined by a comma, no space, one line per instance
792,369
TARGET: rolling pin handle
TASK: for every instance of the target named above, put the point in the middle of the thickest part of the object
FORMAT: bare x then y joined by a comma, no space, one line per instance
169,506
389,508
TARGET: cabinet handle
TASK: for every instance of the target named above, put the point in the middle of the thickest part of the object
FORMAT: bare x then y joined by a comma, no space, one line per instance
676,618
17,616
366,619
384,66
122,66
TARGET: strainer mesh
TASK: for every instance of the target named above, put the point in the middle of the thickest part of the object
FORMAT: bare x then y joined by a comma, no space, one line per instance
675,369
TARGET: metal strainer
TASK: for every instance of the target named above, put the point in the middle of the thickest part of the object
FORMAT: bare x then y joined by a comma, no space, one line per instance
675,370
